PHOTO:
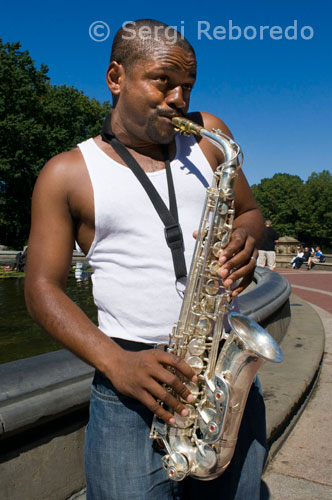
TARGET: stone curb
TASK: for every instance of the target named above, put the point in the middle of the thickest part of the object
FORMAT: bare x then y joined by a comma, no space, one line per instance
287,387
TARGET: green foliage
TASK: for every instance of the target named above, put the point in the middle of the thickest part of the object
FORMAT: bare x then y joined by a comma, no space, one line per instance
297,208
37,121
315,223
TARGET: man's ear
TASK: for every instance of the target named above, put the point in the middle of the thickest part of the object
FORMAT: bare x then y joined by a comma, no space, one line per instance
114,77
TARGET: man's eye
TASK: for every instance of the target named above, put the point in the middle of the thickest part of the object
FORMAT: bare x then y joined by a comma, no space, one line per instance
187,87
162,79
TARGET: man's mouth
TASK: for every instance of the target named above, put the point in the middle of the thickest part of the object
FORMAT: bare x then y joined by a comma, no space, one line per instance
171,115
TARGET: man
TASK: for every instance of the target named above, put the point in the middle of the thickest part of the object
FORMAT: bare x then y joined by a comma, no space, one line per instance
316,257
300,259
115,224
267,254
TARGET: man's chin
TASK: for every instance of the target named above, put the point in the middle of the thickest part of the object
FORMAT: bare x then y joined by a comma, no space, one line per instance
161,137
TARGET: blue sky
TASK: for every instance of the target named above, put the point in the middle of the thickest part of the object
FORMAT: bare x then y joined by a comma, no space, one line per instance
275,95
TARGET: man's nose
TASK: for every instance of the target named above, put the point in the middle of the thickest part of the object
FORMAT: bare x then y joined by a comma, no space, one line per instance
175,97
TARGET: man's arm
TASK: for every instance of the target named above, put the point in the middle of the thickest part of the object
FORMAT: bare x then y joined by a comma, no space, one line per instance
239,258
51,242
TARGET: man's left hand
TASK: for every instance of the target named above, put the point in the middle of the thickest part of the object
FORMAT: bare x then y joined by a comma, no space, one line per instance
238,260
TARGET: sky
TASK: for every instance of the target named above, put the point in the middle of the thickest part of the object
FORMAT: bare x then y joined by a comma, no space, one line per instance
269,80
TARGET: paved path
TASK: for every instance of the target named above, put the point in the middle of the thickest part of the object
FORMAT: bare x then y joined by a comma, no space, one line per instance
313,286
302,468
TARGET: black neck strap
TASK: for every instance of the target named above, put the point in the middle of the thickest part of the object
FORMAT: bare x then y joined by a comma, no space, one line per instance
173,232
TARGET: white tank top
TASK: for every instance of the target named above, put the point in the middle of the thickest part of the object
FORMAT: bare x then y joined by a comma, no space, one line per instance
133,275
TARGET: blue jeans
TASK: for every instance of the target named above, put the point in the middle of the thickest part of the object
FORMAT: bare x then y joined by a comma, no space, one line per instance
122,463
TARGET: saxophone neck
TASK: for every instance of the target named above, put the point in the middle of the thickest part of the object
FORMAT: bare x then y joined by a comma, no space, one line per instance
230,149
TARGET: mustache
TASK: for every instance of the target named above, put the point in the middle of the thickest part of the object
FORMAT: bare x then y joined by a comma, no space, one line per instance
170,114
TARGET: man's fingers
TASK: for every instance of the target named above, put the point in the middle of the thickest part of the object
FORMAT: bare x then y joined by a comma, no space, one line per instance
235,270
172,384
156,375
179,364
170,401
240,241
243,284
157,409
154,393
171,380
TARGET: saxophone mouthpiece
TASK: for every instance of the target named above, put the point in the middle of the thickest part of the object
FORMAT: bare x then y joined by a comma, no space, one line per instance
185,126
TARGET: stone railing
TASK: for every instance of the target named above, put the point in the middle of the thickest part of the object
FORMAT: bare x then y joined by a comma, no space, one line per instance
7,257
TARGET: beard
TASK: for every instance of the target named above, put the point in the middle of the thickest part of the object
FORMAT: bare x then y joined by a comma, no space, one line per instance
162,132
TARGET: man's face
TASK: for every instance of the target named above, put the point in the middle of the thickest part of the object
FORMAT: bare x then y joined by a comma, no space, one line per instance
154,91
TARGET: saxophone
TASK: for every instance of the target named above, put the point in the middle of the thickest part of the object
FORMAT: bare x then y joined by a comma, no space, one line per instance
202,444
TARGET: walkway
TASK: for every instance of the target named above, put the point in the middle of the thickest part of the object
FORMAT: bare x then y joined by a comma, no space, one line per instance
313,286
302,468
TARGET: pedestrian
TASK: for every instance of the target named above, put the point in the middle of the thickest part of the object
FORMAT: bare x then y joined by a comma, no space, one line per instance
20,260
114,222
267,254
305,257
299,254
315,258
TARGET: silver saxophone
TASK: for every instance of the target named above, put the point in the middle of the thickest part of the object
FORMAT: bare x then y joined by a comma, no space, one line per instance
202,444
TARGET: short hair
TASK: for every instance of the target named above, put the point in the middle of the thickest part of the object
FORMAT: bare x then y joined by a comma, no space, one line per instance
137,40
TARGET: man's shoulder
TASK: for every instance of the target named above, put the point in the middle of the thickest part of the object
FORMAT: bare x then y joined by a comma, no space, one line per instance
63,166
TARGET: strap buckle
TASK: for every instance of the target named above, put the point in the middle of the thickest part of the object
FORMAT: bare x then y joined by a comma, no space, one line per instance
173,235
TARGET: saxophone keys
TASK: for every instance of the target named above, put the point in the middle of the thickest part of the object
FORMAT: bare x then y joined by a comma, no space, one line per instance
223,208
176,466
208,424
185,422
213,428
203,326
224,237
212,286
220,397
207,304
206,456
196,346
193,388
214,266
196,363
216,248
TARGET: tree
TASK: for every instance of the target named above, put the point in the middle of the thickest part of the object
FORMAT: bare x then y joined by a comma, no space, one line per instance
37,121
315,223
299,209
279,199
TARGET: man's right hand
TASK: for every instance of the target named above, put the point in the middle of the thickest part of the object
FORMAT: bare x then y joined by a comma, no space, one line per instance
140,375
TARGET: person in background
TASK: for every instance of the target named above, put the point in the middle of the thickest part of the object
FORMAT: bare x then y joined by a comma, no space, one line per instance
314,259
266,253
298,255
21,260
302,259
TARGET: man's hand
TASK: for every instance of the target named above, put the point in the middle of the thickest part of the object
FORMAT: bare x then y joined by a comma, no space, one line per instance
140,375
238,260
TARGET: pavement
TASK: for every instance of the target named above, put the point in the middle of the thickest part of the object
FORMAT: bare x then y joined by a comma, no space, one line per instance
301,470
298,401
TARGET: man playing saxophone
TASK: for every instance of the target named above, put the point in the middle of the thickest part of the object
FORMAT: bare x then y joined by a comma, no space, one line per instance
113,220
